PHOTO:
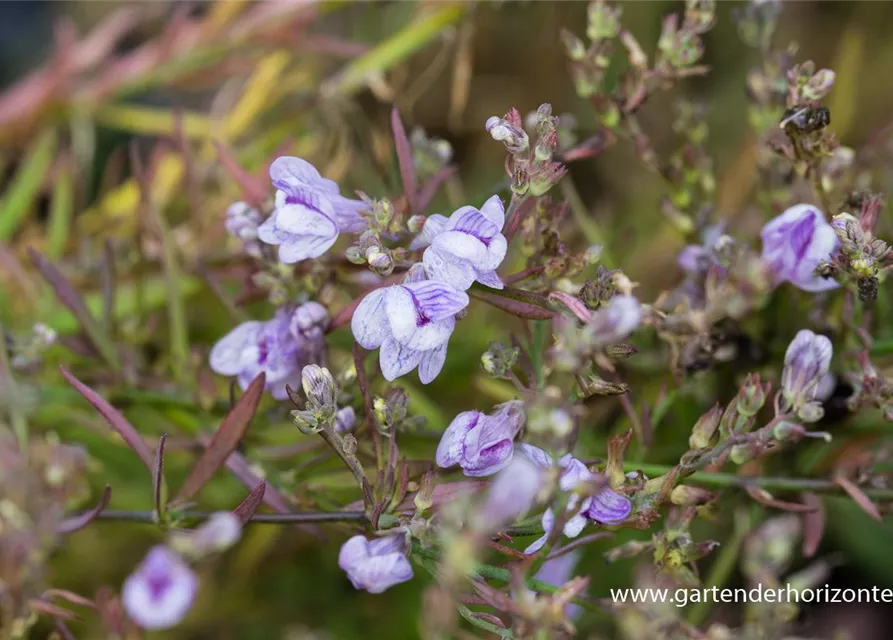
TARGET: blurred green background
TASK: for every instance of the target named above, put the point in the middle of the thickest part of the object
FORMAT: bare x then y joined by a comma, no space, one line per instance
299,83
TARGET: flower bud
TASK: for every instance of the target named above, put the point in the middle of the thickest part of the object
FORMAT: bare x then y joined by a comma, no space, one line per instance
380,260
604,21
741,453
819,85
628,550
512,136
752,396
306,422
242,221
416,223
319,386
806,362
596,386
705,428
685,495
355,255
609,507
382,412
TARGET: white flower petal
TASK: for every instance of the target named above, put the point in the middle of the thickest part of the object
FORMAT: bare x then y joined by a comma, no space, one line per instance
449,451
369,324
396,359
434,226
299,247
494,210
226,356
432,363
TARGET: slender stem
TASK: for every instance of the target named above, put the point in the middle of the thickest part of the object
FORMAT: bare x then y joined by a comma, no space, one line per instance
9,395
789,485
260,518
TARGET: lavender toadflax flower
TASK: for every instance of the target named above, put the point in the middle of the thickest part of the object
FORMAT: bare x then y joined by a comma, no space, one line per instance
511,495
411,323
160,592
310,211
559,571
375,565
466,247
605,507
795,243
805,377
481,444
279,347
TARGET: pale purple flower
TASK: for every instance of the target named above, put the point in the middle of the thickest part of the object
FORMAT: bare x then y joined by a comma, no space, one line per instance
375,565
481,444
573,473
310,211
558,572
220,532
615,321
160,592
805,373
508,133
795,243
411,323
511,495
466,247
279,347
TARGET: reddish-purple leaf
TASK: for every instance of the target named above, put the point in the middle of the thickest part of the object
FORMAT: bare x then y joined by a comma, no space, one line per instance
859,497
245,511
158,477
515,307
114,417
404,158
253,190
64,291
572,304
430,188
813,524
767,499
225,441
80,521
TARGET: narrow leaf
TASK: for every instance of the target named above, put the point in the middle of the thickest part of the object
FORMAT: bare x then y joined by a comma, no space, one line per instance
813,525
254,191
225,441
67,295
767,499
61,212
109,287
517,308
80,521
20,196
245,511
859,497
159,487
114,417
404,158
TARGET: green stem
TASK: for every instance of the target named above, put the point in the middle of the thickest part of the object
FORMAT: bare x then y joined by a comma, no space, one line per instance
788,485
260,518
9,395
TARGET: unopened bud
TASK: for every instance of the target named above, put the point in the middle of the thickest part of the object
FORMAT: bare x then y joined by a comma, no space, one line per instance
416,223
306,422
349,444
355,255
741,453
620,351
596,386
685,495
381,411
752,396
513,137
703,432
380,260
319,386
628,550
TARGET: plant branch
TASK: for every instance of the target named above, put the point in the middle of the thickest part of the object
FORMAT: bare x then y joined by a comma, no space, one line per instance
261,518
